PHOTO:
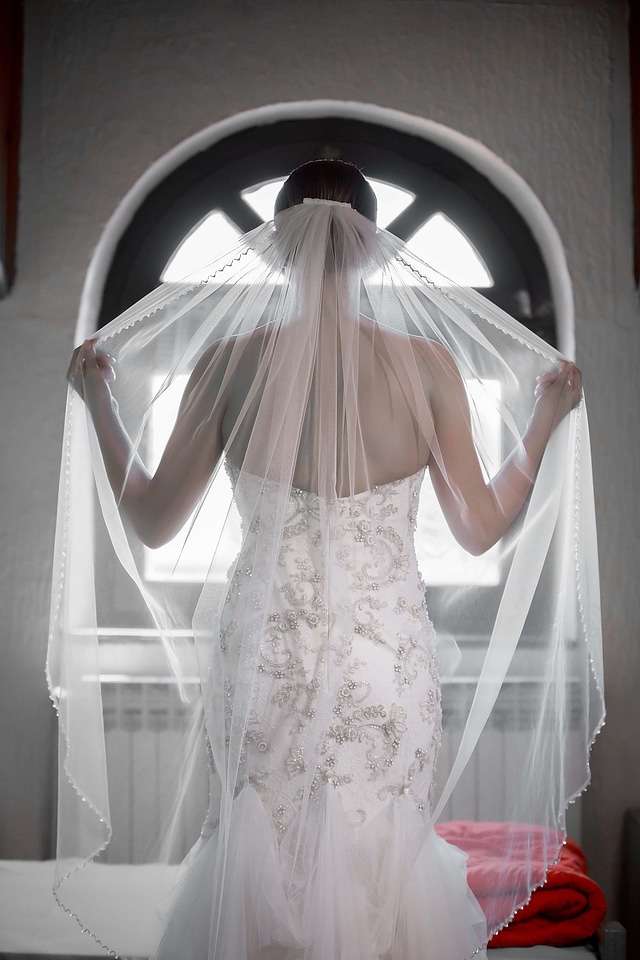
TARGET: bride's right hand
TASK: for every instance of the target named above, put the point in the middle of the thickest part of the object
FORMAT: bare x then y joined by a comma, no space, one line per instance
558,392
90,369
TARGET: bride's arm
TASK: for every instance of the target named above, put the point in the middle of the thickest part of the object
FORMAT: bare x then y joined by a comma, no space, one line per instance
158,505
479,513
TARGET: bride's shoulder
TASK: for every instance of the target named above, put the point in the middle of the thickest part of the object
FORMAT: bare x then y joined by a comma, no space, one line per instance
436,356
222,348
433,356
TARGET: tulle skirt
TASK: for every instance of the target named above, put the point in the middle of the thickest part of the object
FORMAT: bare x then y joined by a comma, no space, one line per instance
352,893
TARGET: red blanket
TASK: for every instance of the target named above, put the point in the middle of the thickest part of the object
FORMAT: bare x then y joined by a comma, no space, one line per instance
567,909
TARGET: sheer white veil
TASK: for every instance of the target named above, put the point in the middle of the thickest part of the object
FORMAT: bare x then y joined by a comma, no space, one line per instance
303,344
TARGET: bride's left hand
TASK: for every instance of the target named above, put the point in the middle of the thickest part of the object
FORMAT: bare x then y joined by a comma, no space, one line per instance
89,367
560,390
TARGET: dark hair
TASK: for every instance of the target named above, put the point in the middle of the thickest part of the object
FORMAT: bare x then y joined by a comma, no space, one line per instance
328,180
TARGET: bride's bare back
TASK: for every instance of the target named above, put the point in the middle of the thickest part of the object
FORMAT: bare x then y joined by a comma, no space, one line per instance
396,403
371,435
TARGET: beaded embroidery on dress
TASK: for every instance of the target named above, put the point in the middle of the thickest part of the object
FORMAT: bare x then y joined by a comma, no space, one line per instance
374,777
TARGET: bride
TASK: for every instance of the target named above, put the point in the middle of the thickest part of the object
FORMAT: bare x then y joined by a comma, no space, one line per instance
329,375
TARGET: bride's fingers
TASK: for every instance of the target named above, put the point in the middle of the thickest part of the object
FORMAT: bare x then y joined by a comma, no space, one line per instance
86,359
105,365
104,360
565,382
568,375
545,381
572,386
574,382
94,362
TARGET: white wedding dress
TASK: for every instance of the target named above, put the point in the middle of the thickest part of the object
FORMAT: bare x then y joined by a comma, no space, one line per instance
360,665
309,357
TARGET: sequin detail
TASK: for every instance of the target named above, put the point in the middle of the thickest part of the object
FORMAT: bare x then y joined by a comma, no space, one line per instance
347,700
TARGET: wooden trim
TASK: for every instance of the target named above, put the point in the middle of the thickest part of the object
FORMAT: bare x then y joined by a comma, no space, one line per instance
11,43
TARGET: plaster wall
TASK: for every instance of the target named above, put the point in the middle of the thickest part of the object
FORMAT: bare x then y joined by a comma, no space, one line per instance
111,85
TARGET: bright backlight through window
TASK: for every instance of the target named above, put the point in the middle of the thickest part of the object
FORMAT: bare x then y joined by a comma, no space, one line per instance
441,559
444,247
439,242
210,239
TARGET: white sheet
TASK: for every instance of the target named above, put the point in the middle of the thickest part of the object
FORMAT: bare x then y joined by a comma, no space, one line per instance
33,925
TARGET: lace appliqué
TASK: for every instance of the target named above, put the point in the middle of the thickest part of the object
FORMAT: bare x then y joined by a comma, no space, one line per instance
347,699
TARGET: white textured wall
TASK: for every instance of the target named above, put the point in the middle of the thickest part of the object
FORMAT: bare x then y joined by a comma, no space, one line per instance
110,85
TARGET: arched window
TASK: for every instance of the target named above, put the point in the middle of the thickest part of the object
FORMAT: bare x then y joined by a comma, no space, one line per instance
430,197
440,204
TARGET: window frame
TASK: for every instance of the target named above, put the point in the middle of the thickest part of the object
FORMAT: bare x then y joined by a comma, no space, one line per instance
441,180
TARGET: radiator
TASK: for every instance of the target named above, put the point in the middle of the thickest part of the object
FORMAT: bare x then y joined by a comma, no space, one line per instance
145,725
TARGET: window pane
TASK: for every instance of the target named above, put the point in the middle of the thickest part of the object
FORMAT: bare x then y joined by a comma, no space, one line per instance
441,558
262,197
192,546
440,243
209,239
392,200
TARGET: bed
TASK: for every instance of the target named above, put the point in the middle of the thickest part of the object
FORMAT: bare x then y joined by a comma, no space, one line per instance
33,926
